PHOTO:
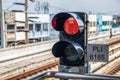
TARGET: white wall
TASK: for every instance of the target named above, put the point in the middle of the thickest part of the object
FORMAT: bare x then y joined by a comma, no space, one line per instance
41,18
19,16
20,36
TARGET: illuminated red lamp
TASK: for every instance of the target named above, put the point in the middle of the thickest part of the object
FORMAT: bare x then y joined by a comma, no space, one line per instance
71,26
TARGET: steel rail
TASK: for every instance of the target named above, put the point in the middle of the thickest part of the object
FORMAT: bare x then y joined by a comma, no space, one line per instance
32,71
110,60
114,69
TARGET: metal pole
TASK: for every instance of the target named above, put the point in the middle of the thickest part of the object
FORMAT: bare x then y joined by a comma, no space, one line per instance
2,25
73,76
15,34
26,22
86,41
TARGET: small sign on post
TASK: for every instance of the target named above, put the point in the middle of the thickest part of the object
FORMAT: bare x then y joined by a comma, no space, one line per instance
97,52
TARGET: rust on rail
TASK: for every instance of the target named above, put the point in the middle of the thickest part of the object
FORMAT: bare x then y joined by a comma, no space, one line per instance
114,69
34,71
114,41
50,65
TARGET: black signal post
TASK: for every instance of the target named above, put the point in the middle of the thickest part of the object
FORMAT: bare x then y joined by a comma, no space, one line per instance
72,47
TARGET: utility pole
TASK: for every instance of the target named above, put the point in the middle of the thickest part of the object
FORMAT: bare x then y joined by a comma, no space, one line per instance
2,25
26,22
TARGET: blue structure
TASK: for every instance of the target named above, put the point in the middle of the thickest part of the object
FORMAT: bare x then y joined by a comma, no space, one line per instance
99,23
116,21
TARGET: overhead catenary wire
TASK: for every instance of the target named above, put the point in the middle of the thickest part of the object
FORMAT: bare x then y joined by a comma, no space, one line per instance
14,4
10,6
62,9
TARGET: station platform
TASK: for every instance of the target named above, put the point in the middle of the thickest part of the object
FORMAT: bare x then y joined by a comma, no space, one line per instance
24,50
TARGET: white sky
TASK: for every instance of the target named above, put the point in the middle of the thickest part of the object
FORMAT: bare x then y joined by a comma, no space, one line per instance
94,6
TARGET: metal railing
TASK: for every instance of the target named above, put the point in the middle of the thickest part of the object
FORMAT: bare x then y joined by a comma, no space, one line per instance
63,75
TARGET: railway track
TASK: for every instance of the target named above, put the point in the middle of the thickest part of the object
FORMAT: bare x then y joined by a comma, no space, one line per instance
114,51
38,69
14,67
111,68
116,68
35,71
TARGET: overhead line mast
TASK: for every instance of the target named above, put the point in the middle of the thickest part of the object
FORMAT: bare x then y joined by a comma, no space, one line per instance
26,22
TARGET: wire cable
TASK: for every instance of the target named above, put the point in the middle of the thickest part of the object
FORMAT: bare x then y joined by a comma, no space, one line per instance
60,8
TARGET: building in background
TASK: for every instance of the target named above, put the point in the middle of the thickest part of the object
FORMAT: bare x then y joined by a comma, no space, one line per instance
38,25
12,24
15,28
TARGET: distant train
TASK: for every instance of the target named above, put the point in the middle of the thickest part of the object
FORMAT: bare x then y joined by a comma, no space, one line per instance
103,25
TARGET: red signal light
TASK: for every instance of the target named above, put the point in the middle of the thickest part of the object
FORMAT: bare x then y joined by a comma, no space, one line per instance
54,20
71,26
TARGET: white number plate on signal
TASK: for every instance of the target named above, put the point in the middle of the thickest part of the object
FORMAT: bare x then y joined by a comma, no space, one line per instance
97,52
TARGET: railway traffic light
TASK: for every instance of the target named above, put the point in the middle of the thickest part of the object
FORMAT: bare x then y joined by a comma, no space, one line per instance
71,47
